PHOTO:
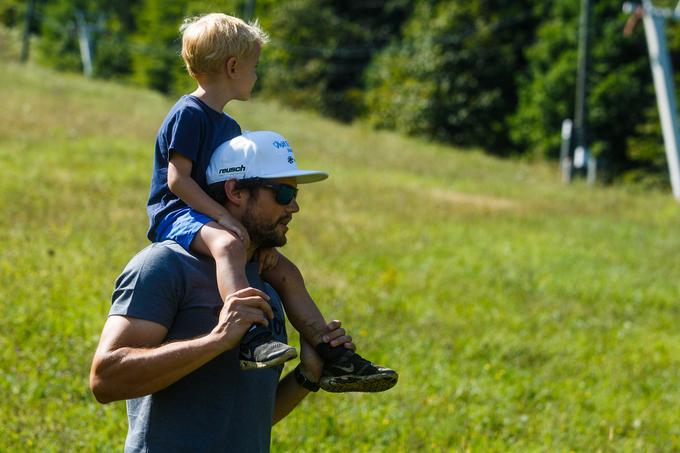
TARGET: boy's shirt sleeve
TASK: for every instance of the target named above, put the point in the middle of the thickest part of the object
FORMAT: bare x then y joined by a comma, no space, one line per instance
186,134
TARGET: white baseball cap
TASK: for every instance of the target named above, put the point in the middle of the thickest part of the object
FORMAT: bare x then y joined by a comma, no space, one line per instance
257,154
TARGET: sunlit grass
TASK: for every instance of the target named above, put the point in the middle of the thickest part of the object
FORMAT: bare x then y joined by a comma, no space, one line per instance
522,315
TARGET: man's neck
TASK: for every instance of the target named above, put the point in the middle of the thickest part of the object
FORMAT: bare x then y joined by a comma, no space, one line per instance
251,251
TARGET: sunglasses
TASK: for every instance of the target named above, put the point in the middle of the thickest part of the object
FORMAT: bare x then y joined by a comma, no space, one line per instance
285,194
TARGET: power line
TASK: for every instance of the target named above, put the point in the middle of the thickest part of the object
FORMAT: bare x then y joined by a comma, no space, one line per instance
357,52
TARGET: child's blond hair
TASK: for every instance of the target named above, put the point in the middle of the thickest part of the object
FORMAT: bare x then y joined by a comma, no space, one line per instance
208,41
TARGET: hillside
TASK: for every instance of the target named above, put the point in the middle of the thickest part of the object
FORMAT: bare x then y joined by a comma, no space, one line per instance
522,315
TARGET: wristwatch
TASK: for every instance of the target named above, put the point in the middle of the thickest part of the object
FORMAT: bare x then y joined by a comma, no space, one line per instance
303,381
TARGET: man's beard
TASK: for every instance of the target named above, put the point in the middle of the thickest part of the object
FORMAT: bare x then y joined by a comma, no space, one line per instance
263,235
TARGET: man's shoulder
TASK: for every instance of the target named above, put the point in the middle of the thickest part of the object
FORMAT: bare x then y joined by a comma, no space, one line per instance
164,248
166,254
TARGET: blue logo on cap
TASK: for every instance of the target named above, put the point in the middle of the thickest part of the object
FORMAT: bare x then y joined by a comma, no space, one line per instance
278,144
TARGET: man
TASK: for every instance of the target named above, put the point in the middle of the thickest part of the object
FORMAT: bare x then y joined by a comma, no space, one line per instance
170,345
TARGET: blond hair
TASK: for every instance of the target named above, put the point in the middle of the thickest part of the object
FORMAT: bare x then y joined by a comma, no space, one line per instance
208,41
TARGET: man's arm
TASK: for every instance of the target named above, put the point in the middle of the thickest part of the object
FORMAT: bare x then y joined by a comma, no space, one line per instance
289,393
131,360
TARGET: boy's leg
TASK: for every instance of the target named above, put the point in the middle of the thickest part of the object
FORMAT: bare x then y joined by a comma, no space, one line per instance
258,347
344,370
229,254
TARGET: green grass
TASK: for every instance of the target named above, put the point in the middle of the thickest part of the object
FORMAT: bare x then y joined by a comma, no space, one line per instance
522,315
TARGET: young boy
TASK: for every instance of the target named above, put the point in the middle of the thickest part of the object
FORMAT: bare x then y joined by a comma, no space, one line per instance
221,53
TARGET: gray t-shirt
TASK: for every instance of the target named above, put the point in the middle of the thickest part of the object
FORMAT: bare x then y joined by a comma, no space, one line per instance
218,407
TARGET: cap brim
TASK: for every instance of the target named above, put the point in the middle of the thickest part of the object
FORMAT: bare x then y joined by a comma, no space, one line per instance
301,176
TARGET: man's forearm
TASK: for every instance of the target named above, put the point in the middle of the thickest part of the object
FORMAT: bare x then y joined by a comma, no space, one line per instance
132,360
288,395
129,372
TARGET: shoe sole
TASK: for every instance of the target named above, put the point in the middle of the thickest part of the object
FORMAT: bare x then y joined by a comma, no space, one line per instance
350,383
286,356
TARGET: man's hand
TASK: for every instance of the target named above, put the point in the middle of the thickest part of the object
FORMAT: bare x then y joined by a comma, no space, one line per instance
242,309
310,362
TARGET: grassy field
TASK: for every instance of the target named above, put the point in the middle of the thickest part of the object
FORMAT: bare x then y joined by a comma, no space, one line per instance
522,315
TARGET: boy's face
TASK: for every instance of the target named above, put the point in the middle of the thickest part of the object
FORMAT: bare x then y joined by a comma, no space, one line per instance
245,75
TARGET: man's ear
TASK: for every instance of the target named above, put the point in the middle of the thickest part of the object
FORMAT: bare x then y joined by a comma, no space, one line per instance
234,195
230,66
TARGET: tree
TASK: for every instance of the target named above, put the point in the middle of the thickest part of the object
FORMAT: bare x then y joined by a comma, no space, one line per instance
110,23
453,74
158,42
320,49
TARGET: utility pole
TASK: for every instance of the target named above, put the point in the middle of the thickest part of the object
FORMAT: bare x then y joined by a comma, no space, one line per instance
25,42
575,133
654,19
249,10
582,158
84,39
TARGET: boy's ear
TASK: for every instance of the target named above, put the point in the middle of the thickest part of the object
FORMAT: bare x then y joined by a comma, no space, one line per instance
230,66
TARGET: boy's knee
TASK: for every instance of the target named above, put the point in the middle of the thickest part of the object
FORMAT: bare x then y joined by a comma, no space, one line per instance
227,245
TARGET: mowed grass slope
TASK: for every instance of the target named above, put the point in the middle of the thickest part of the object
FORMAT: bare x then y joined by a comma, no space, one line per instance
522,315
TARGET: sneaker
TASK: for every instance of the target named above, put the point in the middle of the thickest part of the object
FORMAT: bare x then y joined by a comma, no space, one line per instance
352,373
262,351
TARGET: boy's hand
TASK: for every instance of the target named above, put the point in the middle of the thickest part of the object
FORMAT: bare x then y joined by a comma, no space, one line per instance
310,362
234,227
267,259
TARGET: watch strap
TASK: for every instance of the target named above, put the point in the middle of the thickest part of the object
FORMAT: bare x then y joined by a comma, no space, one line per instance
303,381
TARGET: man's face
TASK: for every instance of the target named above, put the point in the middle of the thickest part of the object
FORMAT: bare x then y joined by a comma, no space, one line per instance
265,219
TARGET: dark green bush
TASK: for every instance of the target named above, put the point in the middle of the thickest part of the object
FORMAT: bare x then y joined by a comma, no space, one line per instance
320,49
453,74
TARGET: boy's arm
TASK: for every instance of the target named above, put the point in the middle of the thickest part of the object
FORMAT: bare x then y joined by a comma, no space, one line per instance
183,185
289,393
300,307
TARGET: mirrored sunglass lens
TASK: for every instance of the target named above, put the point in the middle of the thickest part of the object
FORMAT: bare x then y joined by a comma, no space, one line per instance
285,194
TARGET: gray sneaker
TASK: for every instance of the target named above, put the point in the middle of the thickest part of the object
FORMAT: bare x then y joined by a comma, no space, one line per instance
262,351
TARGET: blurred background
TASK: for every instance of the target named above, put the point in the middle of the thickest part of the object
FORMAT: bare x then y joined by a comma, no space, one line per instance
496,75
523,314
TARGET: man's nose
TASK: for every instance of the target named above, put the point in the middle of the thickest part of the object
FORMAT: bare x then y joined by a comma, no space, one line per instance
293,206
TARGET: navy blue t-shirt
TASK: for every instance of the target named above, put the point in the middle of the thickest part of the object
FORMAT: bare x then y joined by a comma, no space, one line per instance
194,130
217,407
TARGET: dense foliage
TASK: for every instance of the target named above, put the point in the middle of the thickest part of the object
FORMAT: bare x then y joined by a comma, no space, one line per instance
321,48
483,73
452,75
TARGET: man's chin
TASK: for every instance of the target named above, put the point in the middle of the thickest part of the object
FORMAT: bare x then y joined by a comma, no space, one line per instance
274,241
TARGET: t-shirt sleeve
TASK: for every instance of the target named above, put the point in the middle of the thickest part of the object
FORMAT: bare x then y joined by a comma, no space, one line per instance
151,287
186,133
